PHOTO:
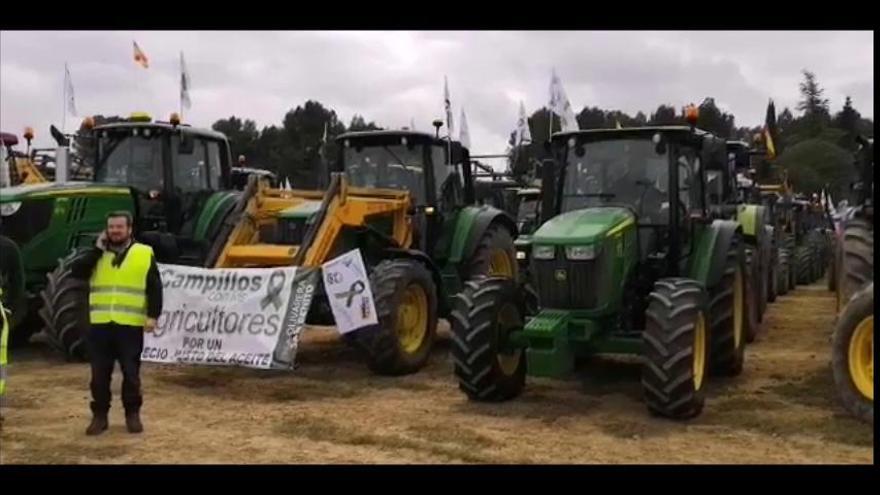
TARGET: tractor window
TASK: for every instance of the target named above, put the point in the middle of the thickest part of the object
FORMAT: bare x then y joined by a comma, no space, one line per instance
191,170
387,166
618,171
124,158
441,168
215,174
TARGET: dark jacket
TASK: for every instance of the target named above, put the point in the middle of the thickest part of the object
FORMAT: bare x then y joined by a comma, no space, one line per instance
83,266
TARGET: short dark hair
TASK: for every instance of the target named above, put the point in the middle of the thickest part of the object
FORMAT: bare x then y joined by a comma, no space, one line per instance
121,213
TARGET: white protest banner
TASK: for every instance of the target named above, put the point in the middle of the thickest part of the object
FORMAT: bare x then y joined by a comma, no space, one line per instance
348,291
248,317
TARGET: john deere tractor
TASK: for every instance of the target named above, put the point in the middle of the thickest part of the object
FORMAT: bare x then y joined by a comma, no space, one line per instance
852,352
172,177
627,261
406,201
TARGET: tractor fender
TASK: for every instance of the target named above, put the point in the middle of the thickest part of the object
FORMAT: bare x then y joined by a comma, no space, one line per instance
215,210
398,253
472,224
751,217
708,264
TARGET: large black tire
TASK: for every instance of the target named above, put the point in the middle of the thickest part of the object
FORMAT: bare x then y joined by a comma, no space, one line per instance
814,240
752,321
804,264
727,327
496,244
792,261
483,315
761,276
13,293
783,276
833,268
65,310
858,314
773,279
676,343
384,350
857,267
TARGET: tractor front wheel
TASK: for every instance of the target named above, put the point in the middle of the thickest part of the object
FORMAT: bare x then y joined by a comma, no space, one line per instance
783,275
857,265
406,307
676,344
852,355
488,367
804,264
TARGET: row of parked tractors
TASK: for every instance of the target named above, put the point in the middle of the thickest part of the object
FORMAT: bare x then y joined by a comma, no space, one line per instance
633,241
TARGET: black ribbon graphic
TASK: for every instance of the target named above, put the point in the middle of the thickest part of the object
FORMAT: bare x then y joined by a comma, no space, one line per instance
273,292
356,288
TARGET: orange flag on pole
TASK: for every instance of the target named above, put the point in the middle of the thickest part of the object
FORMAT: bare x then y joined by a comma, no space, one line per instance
140,57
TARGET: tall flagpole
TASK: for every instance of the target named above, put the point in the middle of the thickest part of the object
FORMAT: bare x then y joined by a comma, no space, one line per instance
64,101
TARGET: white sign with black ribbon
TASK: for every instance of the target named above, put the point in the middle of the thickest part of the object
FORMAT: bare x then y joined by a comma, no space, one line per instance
248,317
348,292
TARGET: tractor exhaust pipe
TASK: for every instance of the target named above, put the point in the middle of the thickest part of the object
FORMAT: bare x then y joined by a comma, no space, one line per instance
62,161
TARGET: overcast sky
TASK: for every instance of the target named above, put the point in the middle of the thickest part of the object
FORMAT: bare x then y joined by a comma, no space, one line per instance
391,77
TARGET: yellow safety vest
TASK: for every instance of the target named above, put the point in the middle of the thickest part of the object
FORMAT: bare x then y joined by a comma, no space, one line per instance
119,294
4,340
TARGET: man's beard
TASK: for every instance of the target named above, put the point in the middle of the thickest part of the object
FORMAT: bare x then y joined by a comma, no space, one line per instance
118,245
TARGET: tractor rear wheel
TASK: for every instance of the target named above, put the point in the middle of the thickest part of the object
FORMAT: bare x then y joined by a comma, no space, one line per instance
791,247
483,316
65,310
406,307
852,355
727,311
804,264
676,343
857,266
783,275
833,268
495,255
773,279
752,318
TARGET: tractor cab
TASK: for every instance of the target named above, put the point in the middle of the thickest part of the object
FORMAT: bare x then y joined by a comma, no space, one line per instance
432,170
172,170
642,183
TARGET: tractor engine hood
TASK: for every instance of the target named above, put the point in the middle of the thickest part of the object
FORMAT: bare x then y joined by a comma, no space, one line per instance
51,189
585,226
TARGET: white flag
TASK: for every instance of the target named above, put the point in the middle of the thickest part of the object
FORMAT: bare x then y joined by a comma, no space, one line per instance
560,105
184,85
447,104
464,136
523,134
68,91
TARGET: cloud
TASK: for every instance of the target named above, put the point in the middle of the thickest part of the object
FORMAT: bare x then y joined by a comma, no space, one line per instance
392,77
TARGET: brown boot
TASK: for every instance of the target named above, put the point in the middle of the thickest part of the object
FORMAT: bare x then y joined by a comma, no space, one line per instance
98,425
133,422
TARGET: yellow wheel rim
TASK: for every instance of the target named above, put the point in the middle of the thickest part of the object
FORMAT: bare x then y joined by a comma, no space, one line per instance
500,264
508,319
412,318
861,357
738,301
699,351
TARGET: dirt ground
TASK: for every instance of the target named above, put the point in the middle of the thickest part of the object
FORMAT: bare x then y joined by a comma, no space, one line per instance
782,409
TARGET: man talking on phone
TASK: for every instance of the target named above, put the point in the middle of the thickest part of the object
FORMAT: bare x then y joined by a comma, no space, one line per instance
125,300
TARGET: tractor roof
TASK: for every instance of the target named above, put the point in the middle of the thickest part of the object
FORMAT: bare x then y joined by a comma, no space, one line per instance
166,126
737,145
390,135
632,132
252,170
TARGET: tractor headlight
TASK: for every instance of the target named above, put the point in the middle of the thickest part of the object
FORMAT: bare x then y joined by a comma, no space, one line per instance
580,253
8,209
520,255
544,252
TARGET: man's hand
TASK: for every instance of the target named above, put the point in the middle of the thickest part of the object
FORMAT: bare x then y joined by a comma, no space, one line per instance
150,325
101,243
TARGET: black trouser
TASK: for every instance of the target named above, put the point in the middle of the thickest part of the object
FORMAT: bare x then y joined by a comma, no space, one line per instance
108,343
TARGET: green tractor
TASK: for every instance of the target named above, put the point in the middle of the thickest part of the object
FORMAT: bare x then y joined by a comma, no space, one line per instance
852,351
627,261
172,177
756,218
